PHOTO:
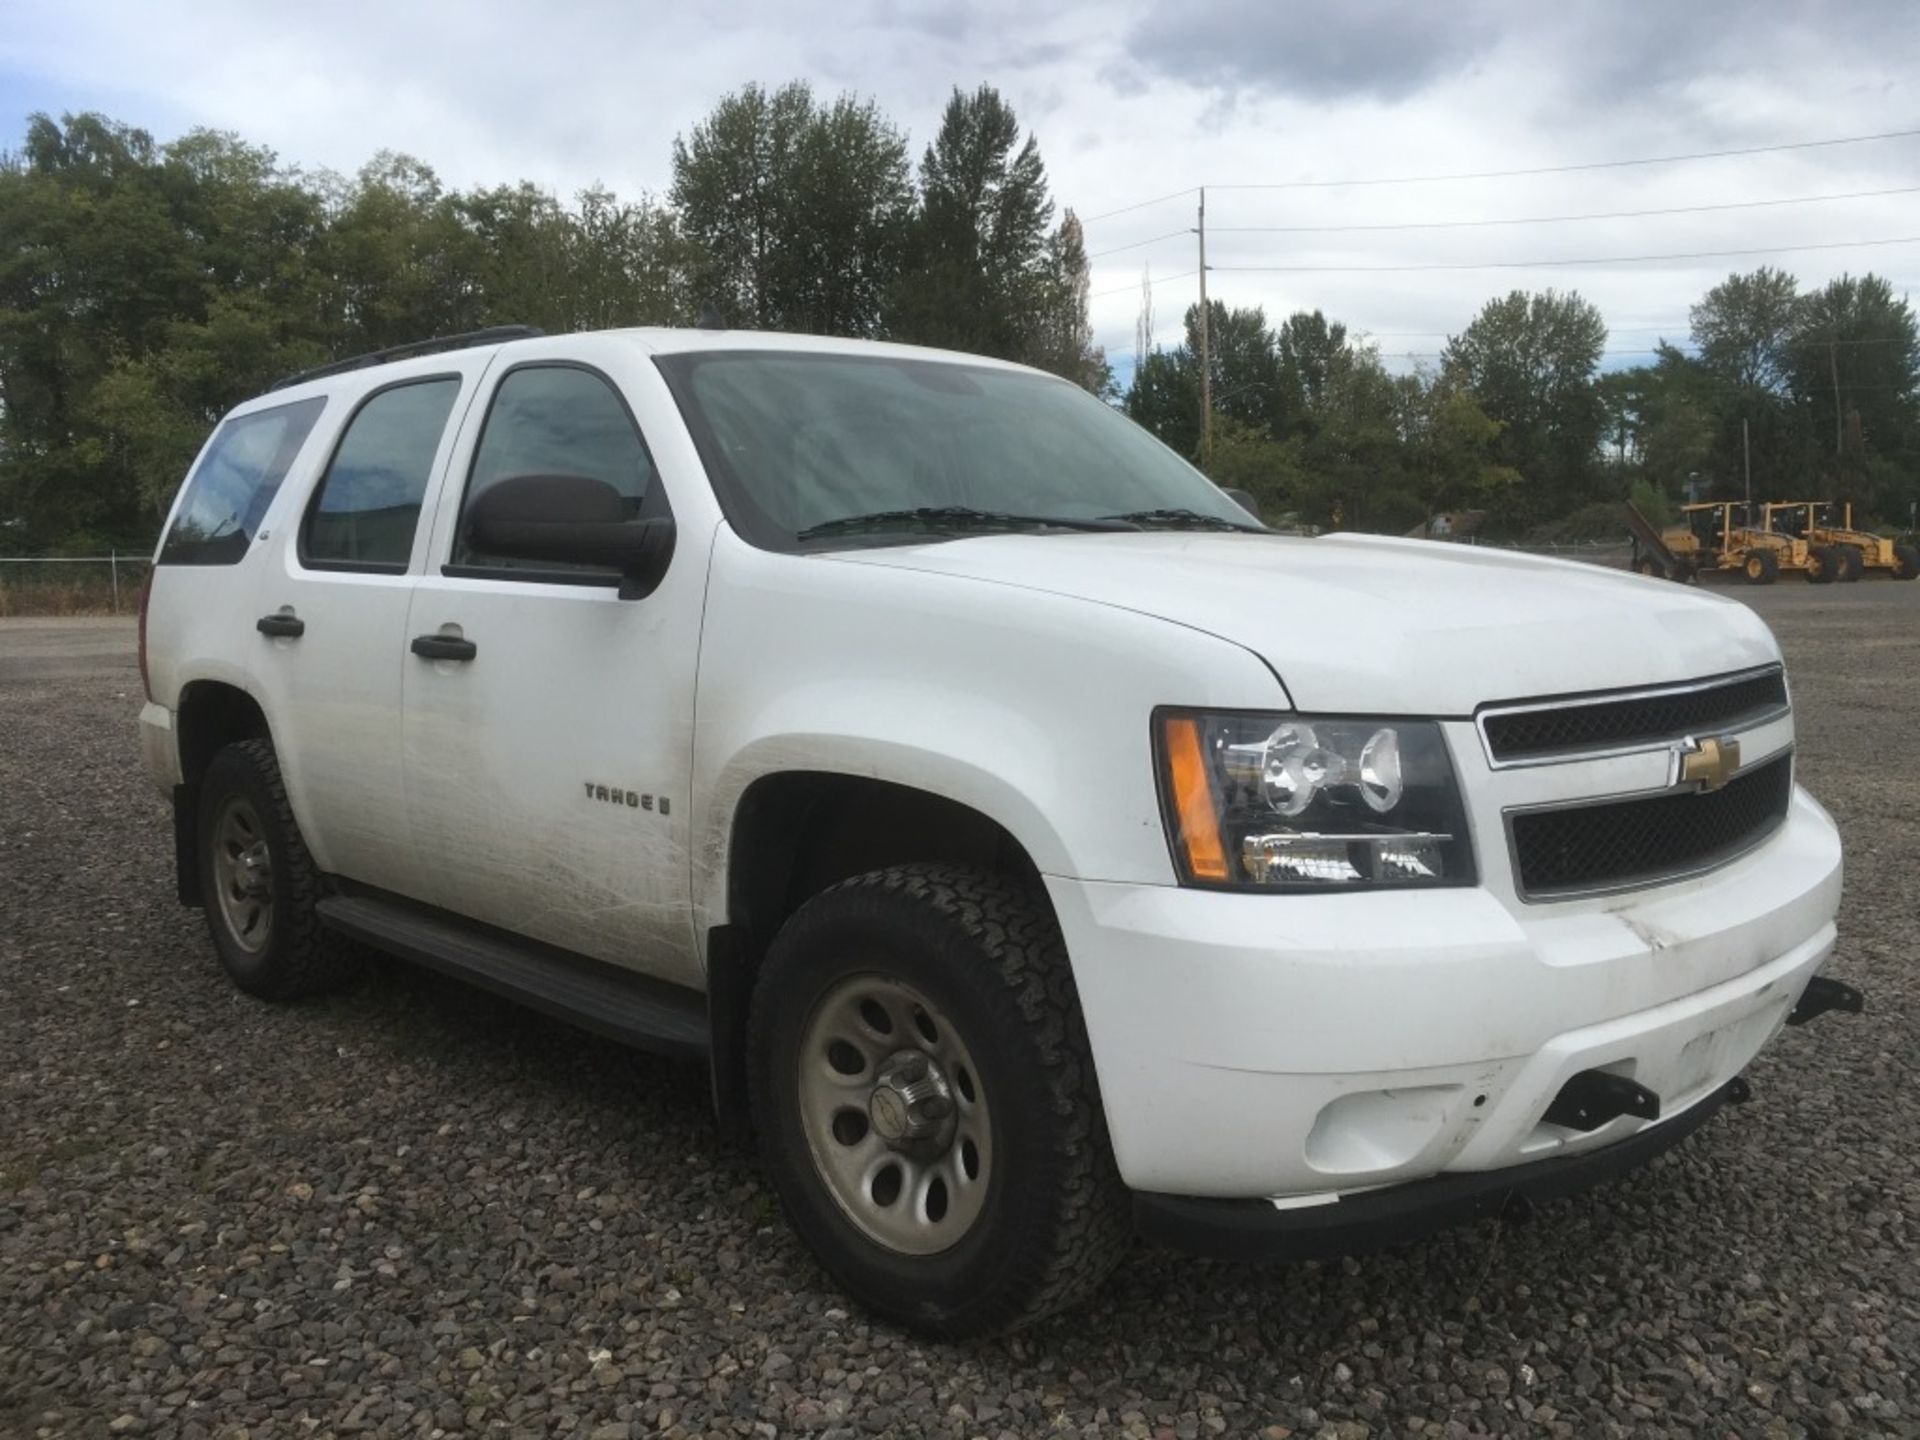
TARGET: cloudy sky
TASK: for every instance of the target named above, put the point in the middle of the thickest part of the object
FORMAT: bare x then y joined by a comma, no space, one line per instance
1132,100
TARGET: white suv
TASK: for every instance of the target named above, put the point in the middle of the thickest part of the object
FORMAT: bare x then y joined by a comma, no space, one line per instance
1038,850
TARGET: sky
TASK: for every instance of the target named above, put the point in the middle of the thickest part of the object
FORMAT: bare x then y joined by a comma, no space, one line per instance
1132,101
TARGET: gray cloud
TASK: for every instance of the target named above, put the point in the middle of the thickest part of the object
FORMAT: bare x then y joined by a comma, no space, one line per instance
1392,50
1384,49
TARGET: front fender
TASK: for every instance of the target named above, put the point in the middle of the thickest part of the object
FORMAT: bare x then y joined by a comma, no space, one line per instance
1028,707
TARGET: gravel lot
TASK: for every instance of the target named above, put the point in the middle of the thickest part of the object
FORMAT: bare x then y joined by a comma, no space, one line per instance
413,1209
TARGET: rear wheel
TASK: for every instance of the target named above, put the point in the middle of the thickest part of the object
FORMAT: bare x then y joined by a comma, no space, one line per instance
1761,567
1823,565
1906,562
260,884
1853,563
925,1101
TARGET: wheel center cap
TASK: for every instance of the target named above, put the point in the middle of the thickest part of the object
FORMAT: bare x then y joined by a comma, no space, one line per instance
888,1112
255,878
911,1105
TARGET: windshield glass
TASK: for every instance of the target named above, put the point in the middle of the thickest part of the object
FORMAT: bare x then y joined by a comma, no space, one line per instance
796,442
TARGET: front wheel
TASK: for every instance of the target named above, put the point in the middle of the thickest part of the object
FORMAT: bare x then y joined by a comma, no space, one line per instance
1906,562
925,1101
1761,567
1853,563
1823,564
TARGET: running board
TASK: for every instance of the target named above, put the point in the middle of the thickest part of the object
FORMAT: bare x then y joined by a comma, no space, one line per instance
633,1009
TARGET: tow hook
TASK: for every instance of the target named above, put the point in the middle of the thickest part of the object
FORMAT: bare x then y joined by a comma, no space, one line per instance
1595,1097
1824,993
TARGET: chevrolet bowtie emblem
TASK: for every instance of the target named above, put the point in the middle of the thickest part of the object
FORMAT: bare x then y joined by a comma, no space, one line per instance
1708,763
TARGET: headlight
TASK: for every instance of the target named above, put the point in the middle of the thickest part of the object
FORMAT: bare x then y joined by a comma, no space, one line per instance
1299,802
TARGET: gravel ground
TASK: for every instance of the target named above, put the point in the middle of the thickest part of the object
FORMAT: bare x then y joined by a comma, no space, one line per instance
415,1210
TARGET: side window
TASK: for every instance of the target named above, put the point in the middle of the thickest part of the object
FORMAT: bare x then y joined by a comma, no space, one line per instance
558,420
230,489
364,514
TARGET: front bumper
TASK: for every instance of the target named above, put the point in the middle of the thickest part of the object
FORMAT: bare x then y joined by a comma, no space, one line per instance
1372,1219
1289,1048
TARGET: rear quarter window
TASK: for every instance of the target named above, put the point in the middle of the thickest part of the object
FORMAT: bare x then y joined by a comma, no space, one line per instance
228,493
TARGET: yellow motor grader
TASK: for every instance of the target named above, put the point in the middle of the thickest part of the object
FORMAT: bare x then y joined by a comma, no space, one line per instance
1720,536
1828,525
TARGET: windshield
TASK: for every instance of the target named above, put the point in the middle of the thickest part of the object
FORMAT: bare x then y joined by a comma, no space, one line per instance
799,445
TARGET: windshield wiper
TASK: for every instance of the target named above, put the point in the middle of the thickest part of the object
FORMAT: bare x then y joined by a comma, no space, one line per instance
1175,519
955,518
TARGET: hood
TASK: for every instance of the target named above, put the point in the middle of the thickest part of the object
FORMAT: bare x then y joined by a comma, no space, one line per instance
1374,625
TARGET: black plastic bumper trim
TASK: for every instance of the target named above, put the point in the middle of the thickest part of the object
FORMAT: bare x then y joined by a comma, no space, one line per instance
1824,993
1398,1214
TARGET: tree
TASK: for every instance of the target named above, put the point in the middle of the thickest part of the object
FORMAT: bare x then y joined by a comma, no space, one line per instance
1743,330
1165,398
1530,361
978,258
795,214
1742,326
1451,448
1062,339
1853,362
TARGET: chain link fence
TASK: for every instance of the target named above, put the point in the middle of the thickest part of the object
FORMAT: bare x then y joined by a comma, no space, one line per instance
72,584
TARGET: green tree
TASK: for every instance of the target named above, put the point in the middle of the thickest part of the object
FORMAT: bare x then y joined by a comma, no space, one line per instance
1853,362
1062,339
978,257
795,214
1451,449
1530,360
1743,330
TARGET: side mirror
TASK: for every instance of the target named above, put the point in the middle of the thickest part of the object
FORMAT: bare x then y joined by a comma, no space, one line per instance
1244,500
572,520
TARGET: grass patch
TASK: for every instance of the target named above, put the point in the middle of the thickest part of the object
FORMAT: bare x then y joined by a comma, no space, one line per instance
75,590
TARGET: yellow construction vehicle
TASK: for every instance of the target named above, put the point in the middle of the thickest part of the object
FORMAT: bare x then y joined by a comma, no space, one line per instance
1829,524
1721,536
1825,562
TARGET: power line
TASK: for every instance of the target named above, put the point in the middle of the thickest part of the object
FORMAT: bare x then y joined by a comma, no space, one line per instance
1571,260
1569,169
1134,289
1137,205
1170,235
1539,219
1515,174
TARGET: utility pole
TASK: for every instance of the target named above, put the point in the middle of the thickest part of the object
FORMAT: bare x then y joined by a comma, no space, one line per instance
1833,363
1206,363
1746,459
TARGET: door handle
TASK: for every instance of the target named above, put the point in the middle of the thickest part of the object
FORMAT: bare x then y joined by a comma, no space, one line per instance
281,625
444,647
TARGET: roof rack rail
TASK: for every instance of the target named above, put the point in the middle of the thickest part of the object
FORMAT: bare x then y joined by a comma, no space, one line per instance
492,335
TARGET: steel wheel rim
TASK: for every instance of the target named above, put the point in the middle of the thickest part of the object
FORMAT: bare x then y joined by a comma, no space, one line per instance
243,875
914,1194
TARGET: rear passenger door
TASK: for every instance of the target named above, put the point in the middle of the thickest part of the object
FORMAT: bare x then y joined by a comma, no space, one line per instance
547,761
331,616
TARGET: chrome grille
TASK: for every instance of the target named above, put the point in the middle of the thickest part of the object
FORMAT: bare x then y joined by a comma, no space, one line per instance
1622,844
1532,731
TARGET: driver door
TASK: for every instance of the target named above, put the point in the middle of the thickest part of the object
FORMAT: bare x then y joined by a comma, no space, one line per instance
548,722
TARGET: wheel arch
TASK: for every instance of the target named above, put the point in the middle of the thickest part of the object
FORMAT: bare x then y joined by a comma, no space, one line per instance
209,716
794,833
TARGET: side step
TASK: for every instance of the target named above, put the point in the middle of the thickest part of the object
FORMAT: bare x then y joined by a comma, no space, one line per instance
633,1009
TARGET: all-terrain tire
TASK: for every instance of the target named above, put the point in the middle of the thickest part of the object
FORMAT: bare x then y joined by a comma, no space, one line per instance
1761,567
1854,564
294,956
985,951
1823,564
1906,562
